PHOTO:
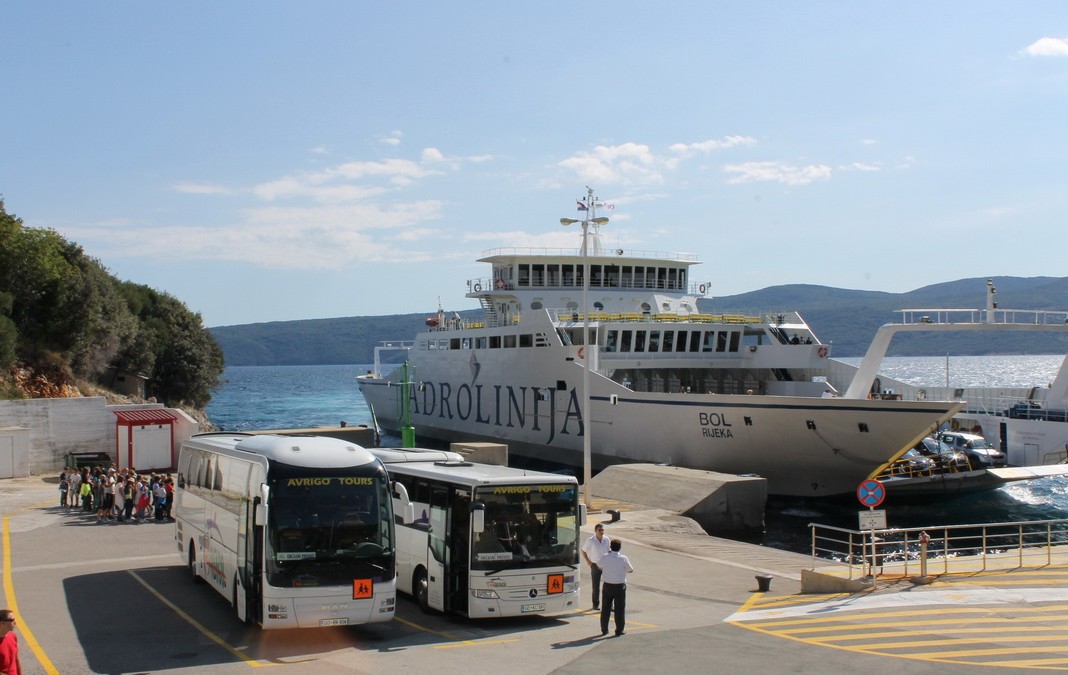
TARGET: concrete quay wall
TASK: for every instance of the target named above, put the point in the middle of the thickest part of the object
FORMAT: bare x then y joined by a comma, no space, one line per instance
61,426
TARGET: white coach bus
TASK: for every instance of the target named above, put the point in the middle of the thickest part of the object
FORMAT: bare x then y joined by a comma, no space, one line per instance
483,540
294,531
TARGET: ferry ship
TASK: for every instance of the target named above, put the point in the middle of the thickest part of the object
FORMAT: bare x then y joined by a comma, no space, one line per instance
740,393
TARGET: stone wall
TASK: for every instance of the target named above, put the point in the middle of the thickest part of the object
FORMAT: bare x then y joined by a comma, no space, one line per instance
60,426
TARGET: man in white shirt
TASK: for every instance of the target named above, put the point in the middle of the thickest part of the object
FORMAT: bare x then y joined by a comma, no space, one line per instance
614,569
595,548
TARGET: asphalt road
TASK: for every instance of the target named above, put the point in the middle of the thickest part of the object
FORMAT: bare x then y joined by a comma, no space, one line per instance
117,599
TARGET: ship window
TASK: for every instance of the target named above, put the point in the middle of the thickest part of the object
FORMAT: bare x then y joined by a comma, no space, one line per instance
639,341
495,342
596,275
480,343
443,344
509,341
537,275
661,277
626,279
680,341
695,341
654,340
454,343
710,341
669,340
611,275
526,340
721,341
673,278
524,275
536,304
624,341
569,275
682,279
610,340
465,343
552,275
735,338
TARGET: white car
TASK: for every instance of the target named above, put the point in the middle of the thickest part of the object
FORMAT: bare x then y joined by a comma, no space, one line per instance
981,455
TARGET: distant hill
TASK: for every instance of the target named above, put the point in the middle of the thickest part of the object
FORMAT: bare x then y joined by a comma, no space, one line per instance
846,318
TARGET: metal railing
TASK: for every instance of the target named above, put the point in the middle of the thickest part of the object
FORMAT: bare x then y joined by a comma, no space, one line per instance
941,549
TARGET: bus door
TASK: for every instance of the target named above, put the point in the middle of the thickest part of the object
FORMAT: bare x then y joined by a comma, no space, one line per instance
435,560
459,551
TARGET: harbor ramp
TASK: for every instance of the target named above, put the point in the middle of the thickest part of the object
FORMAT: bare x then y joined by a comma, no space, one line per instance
724,505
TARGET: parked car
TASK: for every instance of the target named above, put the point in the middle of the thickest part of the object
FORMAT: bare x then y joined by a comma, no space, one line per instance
981,455
944,457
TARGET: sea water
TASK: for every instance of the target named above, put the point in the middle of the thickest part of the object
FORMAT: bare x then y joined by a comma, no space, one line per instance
284,397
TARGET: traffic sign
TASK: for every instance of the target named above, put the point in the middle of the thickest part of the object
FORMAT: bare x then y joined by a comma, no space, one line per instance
871,493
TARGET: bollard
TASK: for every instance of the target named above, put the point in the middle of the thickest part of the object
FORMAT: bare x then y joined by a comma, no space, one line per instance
763,582
615,515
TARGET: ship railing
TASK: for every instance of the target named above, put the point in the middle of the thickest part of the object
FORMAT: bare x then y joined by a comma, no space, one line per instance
935,550
564,315
577,252
556,282
389,346
1018,317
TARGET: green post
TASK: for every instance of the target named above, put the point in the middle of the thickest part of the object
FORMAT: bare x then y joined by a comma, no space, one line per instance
407,430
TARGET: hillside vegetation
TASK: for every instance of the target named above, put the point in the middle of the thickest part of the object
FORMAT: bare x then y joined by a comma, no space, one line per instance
848,319
65,319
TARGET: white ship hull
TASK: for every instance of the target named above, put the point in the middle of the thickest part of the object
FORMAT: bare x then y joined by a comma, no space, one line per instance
802,445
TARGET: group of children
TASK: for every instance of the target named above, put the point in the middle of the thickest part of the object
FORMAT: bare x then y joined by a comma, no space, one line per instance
117,495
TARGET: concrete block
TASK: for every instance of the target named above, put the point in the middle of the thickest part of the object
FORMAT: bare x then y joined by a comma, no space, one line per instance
818,582
361,435
482,453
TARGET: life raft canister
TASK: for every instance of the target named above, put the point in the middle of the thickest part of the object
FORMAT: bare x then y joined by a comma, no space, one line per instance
822,352
500,284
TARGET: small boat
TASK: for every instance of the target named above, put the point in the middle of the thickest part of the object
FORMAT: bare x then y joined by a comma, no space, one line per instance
594,356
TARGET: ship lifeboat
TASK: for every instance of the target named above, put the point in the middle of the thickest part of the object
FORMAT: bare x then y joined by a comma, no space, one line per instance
432,321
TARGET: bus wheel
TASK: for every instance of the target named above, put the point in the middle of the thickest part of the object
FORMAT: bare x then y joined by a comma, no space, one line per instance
422,591
193,564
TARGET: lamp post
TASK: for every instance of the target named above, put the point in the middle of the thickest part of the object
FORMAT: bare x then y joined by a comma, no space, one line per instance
591,349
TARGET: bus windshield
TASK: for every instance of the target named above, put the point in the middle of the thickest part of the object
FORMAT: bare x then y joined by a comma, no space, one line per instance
527,526
326,529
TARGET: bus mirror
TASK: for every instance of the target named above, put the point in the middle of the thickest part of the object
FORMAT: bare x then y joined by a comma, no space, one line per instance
264,491
408,513
582,515
478,520
260,515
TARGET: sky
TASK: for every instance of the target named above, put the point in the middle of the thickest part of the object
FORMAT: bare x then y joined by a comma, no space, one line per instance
271,161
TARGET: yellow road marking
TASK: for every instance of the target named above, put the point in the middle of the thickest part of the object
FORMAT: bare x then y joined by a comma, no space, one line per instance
13,605
200,627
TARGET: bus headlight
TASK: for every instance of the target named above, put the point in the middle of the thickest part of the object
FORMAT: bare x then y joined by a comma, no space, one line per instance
486,594
571,588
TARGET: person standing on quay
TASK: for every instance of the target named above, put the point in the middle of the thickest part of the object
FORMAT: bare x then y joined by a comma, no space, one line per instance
614,569
9,644
595,548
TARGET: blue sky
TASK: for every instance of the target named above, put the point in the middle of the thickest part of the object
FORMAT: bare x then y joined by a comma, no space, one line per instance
267,161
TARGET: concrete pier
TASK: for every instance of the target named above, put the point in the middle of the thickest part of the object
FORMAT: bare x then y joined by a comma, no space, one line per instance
723,504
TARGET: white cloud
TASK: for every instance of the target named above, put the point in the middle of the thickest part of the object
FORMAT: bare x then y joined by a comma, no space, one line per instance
860,166
628,163
320,150
392,138
687,149
780,172
1048,46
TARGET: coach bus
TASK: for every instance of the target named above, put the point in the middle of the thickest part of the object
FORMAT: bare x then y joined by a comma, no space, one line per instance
295,531
483,540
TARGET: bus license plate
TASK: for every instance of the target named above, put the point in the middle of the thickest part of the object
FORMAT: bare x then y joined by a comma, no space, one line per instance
537,607
333,622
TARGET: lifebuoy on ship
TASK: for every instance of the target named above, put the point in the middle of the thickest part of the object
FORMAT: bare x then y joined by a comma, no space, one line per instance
500,284
702,288
478,288
822,352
